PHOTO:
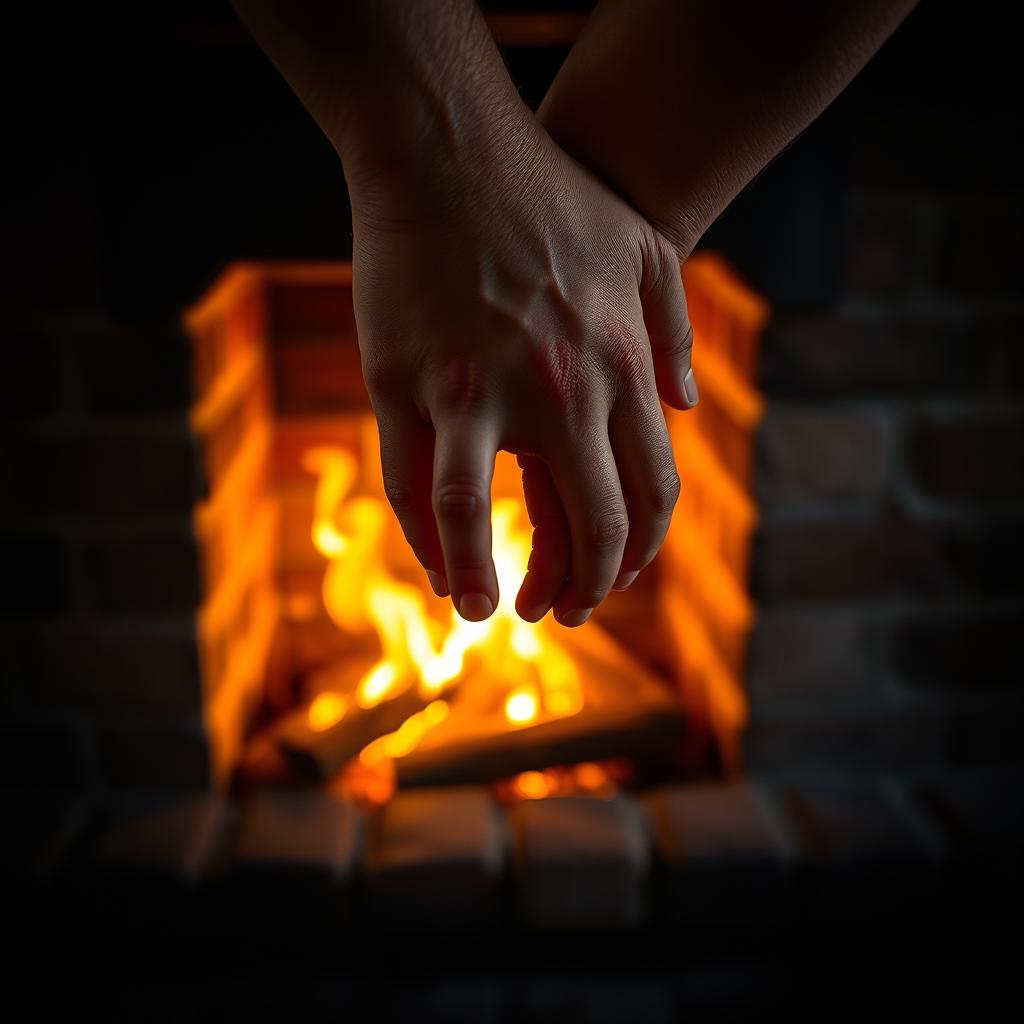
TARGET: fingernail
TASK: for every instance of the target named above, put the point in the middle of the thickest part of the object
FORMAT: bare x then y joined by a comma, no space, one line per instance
576,616
690,388
437,583
536,613
625,580
475,607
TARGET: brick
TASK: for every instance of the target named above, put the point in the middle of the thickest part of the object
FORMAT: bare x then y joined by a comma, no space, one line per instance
123,371
434,860
44,825
174,839
292,861
32,383
822,455
101,472
728,862
813,653
156,571
316,359
985,555
866,857
115,664
967,651
39,568
842,561
581,862
974,457
885,249
144,872
986,730
873,354
160,755
978,247
881,733
981,812
49,749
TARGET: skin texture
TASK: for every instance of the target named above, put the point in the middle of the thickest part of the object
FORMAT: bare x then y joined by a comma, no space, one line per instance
505,298
679,104
514,293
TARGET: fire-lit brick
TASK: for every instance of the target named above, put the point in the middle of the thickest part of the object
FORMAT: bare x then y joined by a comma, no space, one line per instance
726,857
581,862
291,863
434,860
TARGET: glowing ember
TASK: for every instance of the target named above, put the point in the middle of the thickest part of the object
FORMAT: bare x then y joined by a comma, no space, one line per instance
532,674
532,785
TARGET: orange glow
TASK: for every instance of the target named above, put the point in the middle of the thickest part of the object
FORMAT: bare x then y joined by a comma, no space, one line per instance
423,643
532,785
327,709
590,776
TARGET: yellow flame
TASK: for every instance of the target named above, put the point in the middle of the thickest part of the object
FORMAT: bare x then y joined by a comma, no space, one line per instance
521,705
361,594
327,710
406,736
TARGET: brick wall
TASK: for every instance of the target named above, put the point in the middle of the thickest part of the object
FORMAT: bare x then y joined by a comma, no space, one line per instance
99,472
891,468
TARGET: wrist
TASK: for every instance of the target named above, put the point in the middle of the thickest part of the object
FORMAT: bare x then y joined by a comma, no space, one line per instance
439,153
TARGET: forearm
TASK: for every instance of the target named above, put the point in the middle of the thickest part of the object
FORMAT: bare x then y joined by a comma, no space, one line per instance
398,86
678,104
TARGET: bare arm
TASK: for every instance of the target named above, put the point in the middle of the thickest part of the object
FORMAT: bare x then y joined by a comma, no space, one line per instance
678,104
505,298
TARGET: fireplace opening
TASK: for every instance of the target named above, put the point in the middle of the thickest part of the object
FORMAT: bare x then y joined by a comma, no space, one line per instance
325,657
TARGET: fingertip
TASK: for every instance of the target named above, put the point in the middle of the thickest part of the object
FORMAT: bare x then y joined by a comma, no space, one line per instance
529,607
437,583
475,607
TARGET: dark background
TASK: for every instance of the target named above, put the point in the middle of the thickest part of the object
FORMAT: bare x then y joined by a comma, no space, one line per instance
148,145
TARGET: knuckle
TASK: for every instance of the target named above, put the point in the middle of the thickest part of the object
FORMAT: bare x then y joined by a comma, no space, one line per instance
626,354
459,500
591,595
610,529
681,342
460,389
666,493
399,496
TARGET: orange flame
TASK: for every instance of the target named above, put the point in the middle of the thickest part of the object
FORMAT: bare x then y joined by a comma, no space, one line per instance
362,594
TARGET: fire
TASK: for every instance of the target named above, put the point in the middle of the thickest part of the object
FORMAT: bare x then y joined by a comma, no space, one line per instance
419,647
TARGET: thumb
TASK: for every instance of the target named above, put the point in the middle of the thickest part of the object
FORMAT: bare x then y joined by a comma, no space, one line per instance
671,335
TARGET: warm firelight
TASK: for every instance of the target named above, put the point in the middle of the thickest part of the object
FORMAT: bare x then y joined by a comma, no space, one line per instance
423,644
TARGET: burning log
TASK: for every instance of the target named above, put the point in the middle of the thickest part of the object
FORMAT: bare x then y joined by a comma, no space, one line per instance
625,710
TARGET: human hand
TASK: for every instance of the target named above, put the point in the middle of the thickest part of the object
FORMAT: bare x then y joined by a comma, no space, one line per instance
505,299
